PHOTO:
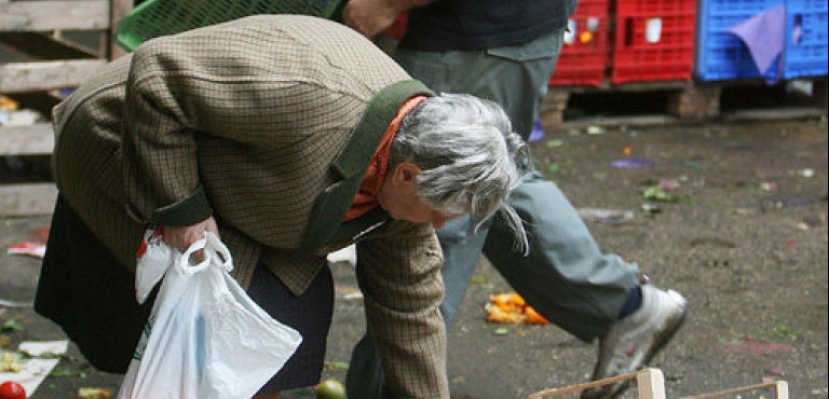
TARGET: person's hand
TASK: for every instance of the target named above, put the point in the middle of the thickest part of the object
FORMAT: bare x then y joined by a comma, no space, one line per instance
371,17
181,237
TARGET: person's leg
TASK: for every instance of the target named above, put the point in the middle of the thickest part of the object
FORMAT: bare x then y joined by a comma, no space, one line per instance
565,276
364,377
461,241
567,279
563,253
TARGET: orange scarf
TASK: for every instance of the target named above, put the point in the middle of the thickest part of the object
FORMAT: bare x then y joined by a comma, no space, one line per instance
366,198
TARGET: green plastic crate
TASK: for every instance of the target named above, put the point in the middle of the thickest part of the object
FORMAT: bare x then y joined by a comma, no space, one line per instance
156,18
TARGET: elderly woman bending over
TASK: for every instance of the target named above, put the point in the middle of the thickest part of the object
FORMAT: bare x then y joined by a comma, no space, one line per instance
289,137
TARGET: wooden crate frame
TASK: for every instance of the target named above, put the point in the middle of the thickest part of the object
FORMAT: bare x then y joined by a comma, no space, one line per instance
37,29
781,390
650,383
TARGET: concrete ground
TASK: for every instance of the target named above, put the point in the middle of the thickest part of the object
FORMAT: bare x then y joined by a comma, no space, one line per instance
732,215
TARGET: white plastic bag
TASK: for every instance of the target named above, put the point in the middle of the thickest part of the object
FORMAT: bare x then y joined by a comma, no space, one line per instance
154,258
205,337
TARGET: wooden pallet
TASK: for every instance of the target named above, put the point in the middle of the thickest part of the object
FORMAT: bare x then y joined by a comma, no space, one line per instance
680,102
22,199
650,384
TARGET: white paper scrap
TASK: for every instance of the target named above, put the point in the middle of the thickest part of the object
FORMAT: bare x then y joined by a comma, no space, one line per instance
35,370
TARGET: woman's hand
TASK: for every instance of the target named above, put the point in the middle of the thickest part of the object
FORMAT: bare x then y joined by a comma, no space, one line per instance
182,237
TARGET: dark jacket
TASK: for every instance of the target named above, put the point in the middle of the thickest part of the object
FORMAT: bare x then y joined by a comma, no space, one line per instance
451,25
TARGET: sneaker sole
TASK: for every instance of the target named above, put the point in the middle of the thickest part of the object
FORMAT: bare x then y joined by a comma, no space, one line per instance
658,346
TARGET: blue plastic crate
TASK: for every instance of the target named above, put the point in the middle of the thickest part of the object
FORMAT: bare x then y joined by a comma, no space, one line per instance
807,43
721,55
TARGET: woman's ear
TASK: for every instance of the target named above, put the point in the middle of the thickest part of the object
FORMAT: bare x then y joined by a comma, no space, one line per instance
405,173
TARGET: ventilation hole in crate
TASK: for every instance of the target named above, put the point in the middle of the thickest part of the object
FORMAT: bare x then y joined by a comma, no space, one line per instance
760,96
30,168
620,104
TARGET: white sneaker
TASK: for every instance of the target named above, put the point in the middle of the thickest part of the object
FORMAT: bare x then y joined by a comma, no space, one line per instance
633,341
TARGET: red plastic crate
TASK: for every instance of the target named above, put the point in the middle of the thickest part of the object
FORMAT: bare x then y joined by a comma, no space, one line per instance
653,40
585,54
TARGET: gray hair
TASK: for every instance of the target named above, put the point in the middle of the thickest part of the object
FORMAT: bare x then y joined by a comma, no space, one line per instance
470,157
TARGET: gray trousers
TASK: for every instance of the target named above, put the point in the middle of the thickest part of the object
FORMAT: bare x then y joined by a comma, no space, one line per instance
565,276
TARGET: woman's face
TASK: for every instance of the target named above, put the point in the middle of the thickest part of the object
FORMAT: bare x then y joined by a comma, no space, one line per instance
399,198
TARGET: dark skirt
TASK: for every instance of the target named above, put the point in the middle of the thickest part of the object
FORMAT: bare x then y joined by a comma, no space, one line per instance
309,313
85,290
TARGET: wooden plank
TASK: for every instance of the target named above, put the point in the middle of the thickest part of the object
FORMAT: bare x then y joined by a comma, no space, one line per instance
606,121
45,46
27,199
44,76
772,114
628,87
780,388
48,15
118,9
37,139
695,102
650,384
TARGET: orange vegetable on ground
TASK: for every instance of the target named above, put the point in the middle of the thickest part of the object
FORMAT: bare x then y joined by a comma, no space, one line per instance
511,308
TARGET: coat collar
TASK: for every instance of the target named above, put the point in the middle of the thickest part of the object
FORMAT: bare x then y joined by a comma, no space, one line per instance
350,167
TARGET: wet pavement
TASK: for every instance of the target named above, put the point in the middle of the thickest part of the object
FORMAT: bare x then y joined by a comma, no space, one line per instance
733,215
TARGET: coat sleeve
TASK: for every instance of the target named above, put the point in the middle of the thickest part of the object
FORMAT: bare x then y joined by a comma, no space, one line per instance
184,91
399,274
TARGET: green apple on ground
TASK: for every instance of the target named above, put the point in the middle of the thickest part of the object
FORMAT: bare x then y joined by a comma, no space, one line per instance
330,389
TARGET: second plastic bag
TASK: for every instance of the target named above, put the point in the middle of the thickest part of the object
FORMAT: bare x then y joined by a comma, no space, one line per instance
205,337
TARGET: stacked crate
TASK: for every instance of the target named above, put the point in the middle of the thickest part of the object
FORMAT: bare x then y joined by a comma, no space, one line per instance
637,46
687,52
722,56
807,46
633,40
654,40
584,57
46,53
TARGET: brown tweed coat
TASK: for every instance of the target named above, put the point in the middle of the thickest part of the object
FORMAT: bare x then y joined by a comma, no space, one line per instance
267,123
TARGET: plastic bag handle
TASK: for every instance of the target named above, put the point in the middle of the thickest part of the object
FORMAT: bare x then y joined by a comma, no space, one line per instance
183,263
215,252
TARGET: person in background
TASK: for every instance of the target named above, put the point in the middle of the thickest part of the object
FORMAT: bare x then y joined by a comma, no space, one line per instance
264,131
506,51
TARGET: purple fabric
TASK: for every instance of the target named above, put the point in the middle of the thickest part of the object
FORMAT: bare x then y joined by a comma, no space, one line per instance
538,131
633,163
765,35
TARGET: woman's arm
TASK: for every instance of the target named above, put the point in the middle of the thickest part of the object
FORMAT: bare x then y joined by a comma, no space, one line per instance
399,275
